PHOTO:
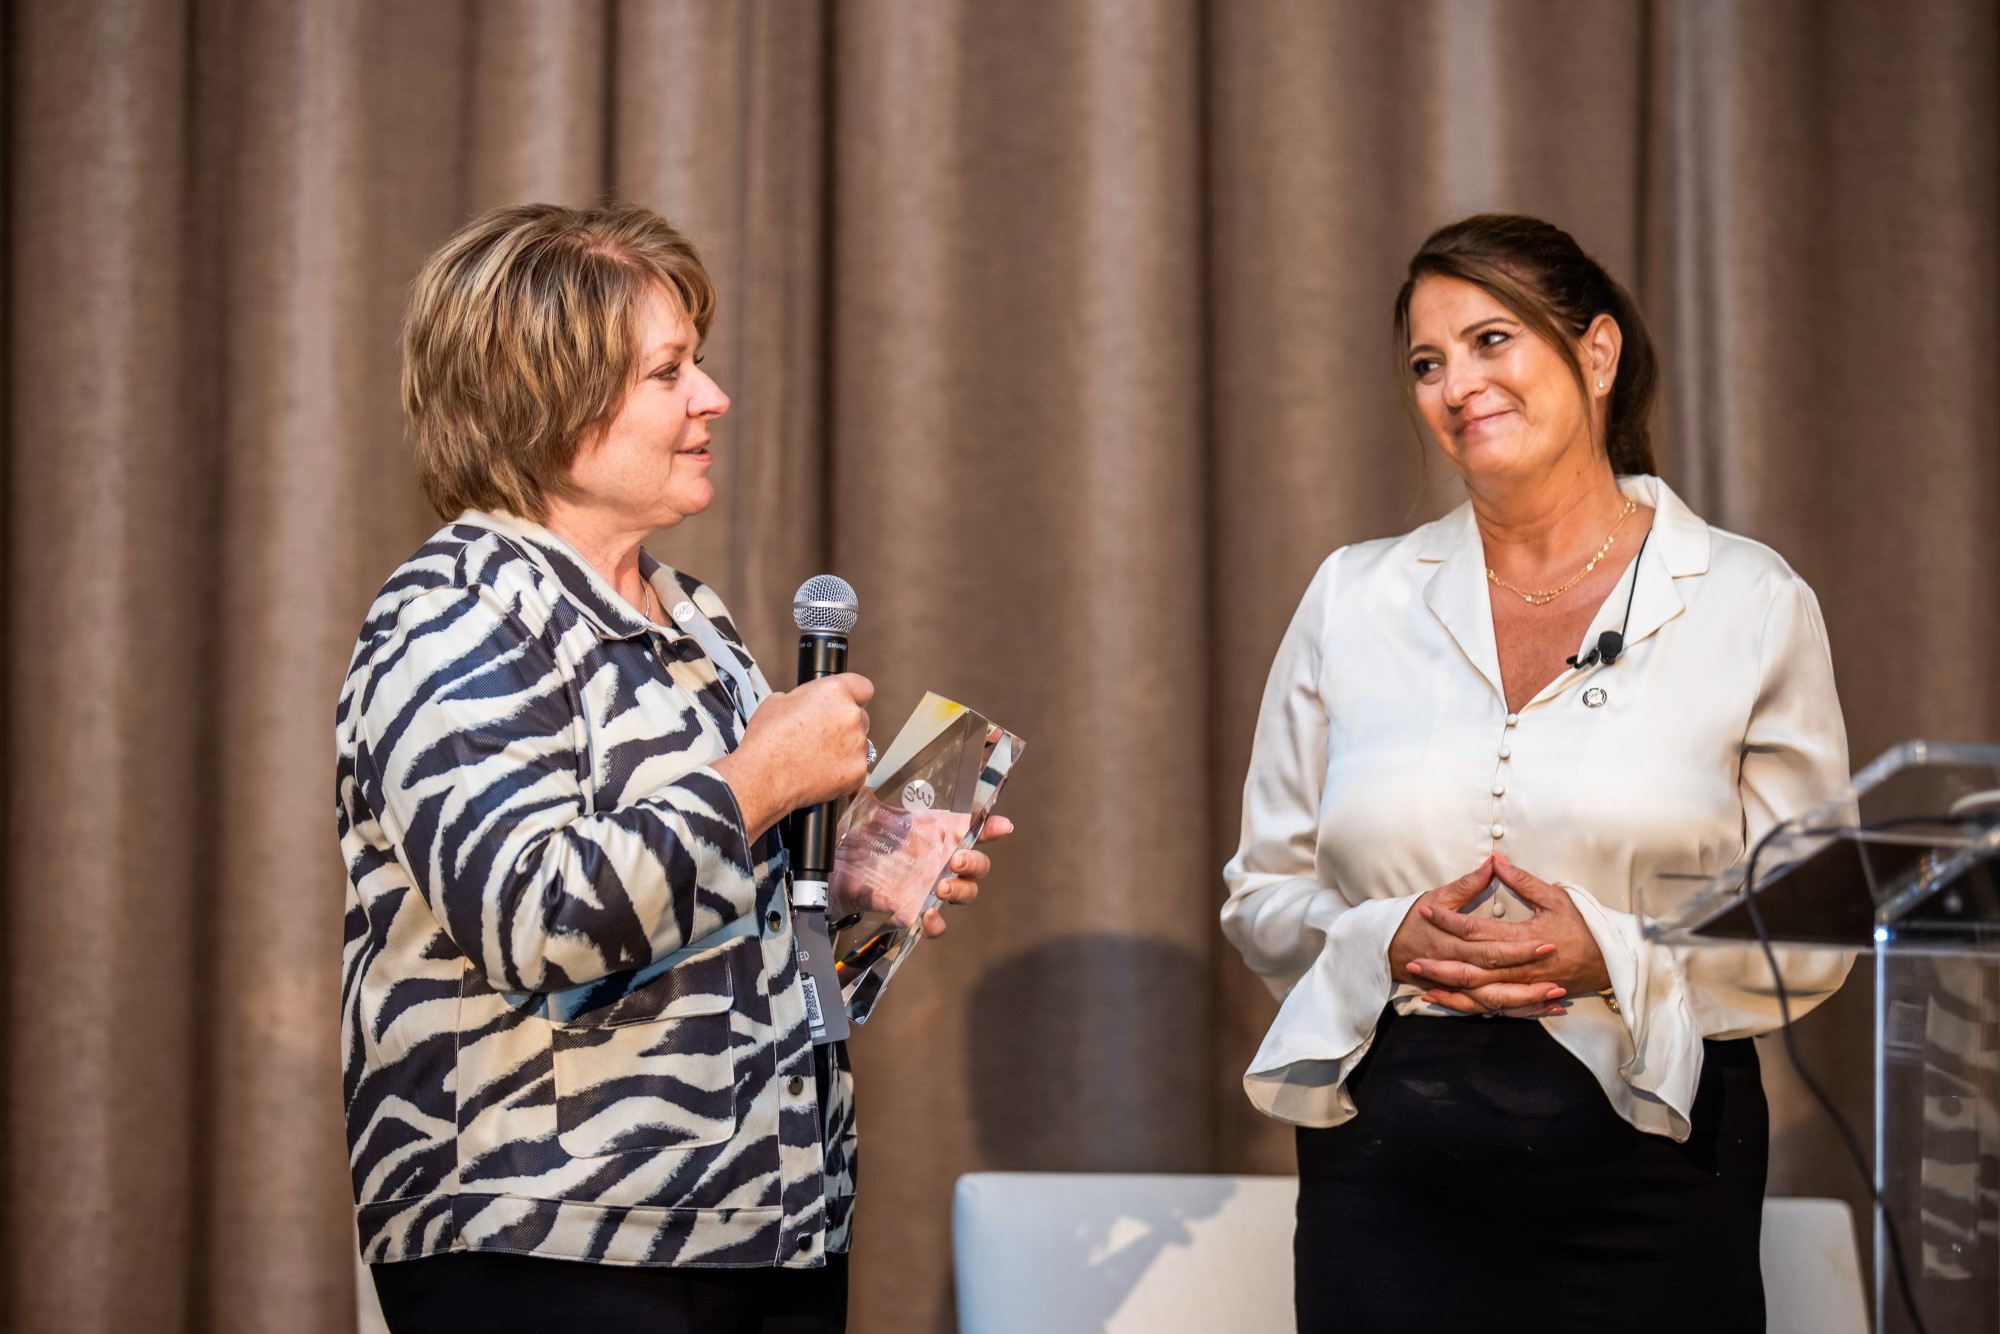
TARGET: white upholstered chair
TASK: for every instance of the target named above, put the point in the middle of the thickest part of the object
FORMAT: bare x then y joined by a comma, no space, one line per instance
1812,1272
1059,1253
1054,1253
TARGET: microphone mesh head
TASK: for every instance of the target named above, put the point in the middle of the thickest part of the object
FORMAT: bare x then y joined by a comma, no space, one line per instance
824,603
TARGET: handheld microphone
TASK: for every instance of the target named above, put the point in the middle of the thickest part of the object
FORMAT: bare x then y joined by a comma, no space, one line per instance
824,609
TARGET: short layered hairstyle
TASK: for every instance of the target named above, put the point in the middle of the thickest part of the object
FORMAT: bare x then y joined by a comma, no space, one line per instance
522,337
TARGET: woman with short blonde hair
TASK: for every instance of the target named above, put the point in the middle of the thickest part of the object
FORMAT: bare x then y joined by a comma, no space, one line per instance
575,1021
522,332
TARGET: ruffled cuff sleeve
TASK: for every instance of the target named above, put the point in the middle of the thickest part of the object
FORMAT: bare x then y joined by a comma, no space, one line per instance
1327,1021
1662,1064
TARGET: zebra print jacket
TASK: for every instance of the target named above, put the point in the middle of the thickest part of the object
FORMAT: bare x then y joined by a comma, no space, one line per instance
572,1019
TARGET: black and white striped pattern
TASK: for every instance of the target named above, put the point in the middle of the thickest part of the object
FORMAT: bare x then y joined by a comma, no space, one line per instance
572,1020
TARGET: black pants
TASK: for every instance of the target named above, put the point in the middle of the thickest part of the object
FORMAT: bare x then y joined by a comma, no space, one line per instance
483,1292
1486,1184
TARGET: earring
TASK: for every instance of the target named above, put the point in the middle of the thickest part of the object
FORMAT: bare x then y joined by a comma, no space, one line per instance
1600,384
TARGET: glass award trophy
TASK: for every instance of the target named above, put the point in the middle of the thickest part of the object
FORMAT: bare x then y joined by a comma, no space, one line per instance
929,796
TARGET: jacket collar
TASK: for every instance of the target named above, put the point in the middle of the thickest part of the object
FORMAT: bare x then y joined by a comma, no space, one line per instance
1457,595
609,614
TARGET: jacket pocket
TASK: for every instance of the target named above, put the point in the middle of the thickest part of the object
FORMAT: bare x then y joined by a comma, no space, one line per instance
653,1069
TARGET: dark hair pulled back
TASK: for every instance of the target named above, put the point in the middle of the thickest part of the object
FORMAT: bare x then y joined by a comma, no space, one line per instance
1539,272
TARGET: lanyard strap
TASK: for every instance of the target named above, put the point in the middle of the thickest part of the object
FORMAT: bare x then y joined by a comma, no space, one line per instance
728,662
826,1013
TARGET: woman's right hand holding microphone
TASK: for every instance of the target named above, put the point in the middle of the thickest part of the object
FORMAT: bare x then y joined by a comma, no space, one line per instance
800,748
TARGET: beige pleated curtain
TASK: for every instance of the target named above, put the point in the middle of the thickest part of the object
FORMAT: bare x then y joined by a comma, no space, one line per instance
1060,329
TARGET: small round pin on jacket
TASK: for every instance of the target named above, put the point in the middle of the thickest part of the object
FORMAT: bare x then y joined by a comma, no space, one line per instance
1594,697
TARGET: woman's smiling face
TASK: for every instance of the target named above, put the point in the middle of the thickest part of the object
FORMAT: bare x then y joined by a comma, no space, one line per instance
647,467
1496,397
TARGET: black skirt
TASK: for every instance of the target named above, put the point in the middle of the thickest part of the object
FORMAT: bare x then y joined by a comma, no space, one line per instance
1486,1184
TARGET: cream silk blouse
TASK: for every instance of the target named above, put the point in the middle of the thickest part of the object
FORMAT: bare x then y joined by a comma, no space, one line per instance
1386,763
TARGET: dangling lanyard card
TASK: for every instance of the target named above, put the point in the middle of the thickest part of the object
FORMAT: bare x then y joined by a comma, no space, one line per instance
826,1012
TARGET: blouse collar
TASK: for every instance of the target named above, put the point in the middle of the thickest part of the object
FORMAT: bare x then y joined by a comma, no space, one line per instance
1456,592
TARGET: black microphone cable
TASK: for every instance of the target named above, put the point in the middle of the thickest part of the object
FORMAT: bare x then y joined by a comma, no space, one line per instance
1848,1138
1612,642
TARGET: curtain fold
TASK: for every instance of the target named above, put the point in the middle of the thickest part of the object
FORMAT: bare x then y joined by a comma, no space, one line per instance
1018,407
721,125
1832,219
103,845
1061,330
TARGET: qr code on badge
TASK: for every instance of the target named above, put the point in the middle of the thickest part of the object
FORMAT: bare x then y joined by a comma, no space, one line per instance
815,1020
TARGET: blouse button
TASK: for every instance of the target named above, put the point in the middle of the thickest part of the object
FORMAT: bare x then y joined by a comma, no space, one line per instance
1513,719
1499,830
1506,752
1499,789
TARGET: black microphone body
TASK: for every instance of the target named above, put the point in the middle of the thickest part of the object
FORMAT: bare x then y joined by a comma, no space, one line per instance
824,610
809,832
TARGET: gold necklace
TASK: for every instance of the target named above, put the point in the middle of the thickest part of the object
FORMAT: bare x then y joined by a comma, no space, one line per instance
1542,597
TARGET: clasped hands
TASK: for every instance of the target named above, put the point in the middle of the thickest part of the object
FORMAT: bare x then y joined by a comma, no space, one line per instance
1472,964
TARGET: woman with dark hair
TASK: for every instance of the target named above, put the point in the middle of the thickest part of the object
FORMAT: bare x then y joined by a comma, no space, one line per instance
1477,741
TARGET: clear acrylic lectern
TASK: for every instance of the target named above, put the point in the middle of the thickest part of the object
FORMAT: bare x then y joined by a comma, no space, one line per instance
1905,866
